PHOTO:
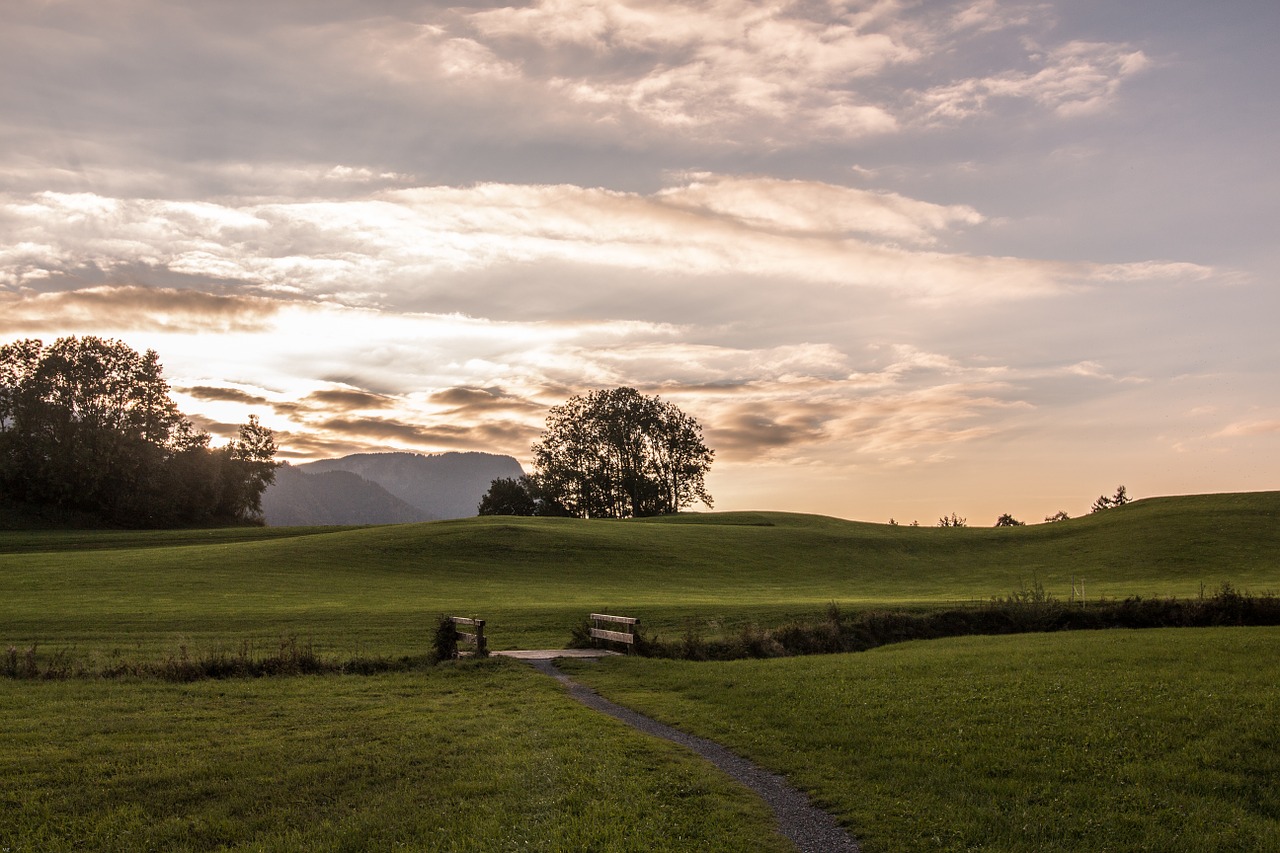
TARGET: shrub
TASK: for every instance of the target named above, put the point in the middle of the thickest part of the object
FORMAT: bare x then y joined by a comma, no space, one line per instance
444,645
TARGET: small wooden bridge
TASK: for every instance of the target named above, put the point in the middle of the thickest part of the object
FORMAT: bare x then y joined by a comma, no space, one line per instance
616,630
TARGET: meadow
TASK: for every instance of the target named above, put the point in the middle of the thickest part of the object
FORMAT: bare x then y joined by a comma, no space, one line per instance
1155,740
377,591
479,757
1120,740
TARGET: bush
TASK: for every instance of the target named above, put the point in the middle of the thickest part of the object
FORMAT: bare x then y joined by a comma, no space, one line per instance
444,645
1028,609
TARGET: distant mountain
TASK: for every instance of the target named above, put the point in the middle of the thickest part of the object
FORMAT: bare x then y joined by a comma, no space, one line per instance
332,497
384,488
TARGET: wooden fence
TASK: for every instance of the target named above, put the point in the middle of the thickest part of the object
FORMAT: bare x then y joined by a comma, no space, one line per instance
626,636
475,637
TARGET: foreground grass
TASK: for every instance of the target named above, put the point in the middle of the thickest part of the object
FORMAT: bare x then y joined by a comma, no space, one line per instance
1120,741
479,757
121,595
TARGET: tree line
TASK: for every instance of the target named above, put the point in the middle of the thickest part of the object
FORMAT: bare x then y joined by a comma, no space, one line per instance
1120,498
87,428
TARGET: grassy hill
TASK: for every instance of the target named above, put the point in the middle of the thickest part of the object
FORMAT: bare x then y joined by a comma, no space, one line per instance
377,589
1079,740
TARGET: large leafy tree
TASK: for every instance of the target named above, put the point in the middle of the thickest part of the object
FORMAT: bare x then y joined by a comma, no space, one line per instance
87,425
618,453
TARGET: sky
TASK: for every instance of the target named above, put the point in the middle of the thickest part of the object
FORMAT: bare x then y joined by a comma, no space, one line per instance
899,259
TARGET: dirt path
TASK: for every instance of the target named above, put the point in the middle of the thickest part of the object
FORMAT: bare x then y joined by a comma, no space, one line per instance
808,827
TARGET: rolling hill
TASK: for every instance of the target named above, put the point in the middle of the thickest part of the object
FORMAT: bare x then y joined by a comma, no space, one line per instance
534,578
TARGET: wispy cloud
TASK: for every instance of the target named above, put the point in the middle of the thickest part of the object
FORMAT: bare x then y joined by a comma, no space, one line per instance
1073,79
1245,428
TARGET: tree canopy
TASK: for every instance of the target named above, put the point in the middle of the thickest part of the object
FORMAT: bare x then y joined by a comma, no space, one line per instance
618,454
87,426
509,496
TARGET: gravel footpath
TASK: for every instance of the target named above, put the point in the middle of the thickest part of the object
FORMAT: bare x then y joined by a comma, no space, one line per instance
808,827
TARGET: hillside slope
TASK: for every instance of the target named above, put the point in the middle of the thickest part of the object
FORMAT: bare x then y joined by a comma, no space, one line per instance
536,577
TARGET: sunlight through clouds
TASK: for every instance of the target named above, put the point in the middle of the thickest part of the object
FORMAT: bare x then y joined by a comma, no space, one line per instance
888,253
364,251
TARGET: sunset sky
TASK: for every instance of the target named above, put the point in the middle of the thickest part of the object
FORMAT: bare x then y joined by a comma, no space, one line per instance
900,259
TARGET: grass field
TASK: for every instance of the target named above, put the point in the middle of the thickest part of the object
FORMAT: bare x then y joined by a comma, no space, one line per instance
483,758
1156,740
376,590
1152,740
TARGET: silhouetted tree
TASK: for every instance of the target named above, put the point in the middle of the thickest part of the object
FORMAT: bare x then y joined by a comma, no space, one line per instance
953,521
509,496
87,426
1060,515
1007,520
249,467
1120,498
617,454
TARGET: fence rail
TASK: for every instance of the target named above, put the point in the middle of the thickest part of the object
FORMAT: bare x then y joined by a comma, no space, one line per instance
474,637
626,636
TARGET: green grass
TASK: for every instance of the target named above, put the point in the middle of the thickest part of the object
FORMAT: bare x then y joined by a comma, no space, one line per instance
1028,743
1111,740
376,590
479,757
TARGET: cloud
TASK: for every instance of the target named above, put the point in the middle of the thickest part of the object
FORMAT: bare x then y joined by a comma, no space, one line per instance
474,402
1094,370
705,68
347,399
818,209
1074,79
1247,428
224,395
332,99
1156,270
988,16
400,244
133,308
383,431
754,431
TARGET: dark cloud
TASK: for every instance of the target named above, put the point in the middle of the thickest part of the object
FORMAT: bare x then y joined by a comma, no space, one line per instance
307,447
747,433
497,437
351,400
135,308
224,395
478,401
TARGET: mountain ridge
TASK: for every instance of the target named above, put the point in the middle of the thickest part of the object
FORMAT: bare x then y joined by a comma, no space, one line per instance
392,487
